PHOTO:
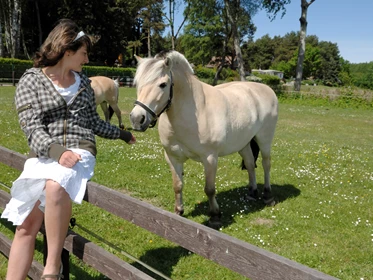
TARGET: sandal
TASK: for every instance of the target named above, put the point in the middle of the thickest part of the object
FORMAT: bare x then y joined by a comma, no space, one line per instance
54,276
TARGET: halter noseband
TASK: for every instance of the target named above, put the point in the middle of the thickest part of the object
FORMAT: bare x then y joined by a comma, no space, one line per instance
151,112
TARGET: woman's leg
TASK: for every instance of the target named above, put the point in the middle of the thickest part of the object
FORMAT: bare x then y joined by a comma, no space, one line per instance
56,220
23,245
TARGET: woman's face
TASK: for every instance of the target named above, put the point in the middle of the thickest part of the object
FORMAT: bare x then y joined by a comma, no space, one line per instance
78,59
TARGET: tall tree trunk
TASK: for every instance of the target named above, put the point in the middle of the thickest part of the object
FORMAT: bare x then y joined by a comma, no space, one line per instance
1,37
149,45
222,64
5,5
15,27
236,38
302,43
39,22
171,19
25,51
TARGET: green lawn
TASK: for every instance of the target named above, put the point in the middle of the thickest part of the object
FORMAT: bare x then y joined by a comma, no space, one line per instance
322,177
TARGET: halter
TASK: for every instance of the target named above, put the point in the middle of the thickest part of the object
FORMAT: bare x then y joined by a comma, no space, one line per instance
151,112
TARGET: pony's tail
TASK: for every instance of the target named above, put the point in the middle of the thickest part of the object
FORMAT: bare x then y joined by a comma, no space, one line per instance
255,149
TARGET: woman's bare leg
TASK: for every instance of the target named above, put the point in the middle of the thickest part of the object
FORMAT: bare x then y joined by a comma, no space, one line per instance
56,220
23,245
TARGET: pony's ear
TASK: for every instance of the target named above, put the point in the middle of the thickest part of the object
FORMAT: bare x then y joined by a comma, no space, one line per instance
138,58
168,62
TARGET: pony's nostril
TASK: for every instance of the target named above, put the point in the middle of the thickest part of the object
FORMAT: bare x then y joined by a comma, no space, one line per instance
142,119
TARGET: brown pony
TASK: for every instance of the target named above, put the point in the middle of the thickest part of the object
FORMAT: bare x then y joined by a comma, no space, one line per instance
106,95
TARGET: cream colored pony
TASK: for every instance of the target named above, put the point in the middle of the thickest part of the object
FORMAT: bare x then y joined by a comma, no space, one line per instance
106,95
201,122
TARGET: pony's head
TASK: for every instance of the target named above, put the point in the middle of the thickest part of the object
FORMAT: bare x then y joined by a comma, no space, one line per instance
154,83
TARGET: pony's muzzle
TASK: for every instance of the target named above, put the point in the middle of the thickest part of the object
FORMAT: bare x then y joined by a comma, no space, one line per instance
139,122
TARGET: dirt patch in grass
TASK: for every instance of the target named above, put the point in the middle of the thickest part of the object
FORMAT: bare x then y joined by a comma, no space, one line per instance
263,222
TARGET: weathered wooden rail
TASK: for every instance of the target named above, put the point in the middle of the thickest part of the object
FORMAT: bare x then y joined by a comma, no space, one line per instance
244,258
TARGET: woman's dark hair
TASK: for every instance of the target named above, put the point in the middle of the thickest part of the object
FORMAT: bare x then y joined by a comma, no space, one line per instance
62,38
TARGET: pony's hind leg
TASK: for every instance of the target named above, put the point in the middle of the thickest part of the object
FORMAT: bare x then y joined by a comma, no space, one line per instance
210,168
117,111
265,150
249,161
105,110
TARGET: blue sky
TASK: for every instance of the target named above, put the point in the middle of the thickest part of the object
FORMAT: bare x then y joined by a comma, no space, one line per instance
349,23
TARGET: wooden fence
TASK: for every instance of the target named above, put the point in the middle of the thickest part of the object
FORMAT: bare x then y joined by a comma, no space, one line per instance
244,258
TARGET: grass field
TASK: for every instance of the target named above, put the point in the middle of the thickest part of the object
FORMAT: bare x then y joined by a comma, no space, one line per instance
322,178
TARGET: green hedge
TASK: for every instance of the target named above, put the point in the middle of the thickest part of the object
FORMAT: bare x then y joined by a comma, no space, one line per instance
8,65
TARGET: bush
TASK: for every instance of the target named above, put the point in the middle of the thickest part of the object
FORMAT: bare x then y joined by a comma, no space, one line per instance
229,75
269,80
204,73
109,71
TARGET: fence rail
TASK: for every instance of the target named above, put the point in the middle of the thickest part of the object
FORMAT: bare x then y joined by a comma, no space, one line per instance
244,258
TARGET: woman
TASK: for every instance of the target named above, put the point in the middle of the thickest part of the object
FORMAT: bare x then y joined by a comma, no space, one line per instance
57,112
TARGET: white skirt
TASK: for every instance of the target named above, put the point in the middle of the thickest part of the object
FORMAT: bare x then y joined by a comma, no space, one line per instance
29,186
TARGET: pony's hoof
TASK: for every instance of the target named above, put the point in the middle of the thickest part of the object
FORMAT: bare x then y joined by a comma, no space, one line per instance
179,212
215,223
253,195
269,201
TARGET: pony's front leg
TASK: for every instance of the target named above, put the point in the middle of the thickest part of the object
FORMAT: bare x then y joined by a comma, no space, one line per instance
210,167
176,168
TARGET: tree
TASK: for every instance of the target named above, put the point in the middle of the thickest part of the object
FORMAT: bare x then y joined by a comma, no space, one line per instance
234,9
170,17
152,21
1,36
302,43
204,34
264,50
12,15
331,63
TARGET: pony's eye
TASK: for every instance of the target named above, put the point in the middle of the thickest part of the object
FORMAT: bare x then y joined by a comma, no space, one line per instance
163,85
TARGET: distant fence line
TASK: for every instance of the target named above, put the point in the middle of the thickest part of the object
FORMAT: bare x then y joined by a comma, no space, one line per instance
12,77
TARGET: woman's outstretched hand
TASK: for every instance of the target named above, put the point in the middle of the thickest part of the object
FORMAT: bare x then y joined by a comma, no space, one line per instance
132,141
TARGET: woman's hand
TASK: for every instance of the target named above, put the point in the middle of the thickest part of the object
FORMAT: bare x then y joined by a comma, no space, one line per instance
132,141
69,159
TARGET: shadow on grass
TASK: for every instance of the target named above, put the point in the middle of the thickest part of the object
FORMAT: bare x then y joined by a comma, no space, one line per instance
231,202
164,259
235,201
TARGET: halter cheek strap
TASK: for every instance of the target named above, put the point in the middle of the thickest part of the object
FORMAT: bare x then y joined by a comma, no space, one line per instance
151,112
146,108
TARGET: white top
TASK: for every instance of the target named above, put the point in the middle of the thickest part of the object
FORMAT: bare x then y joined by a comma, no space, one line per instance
71,91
